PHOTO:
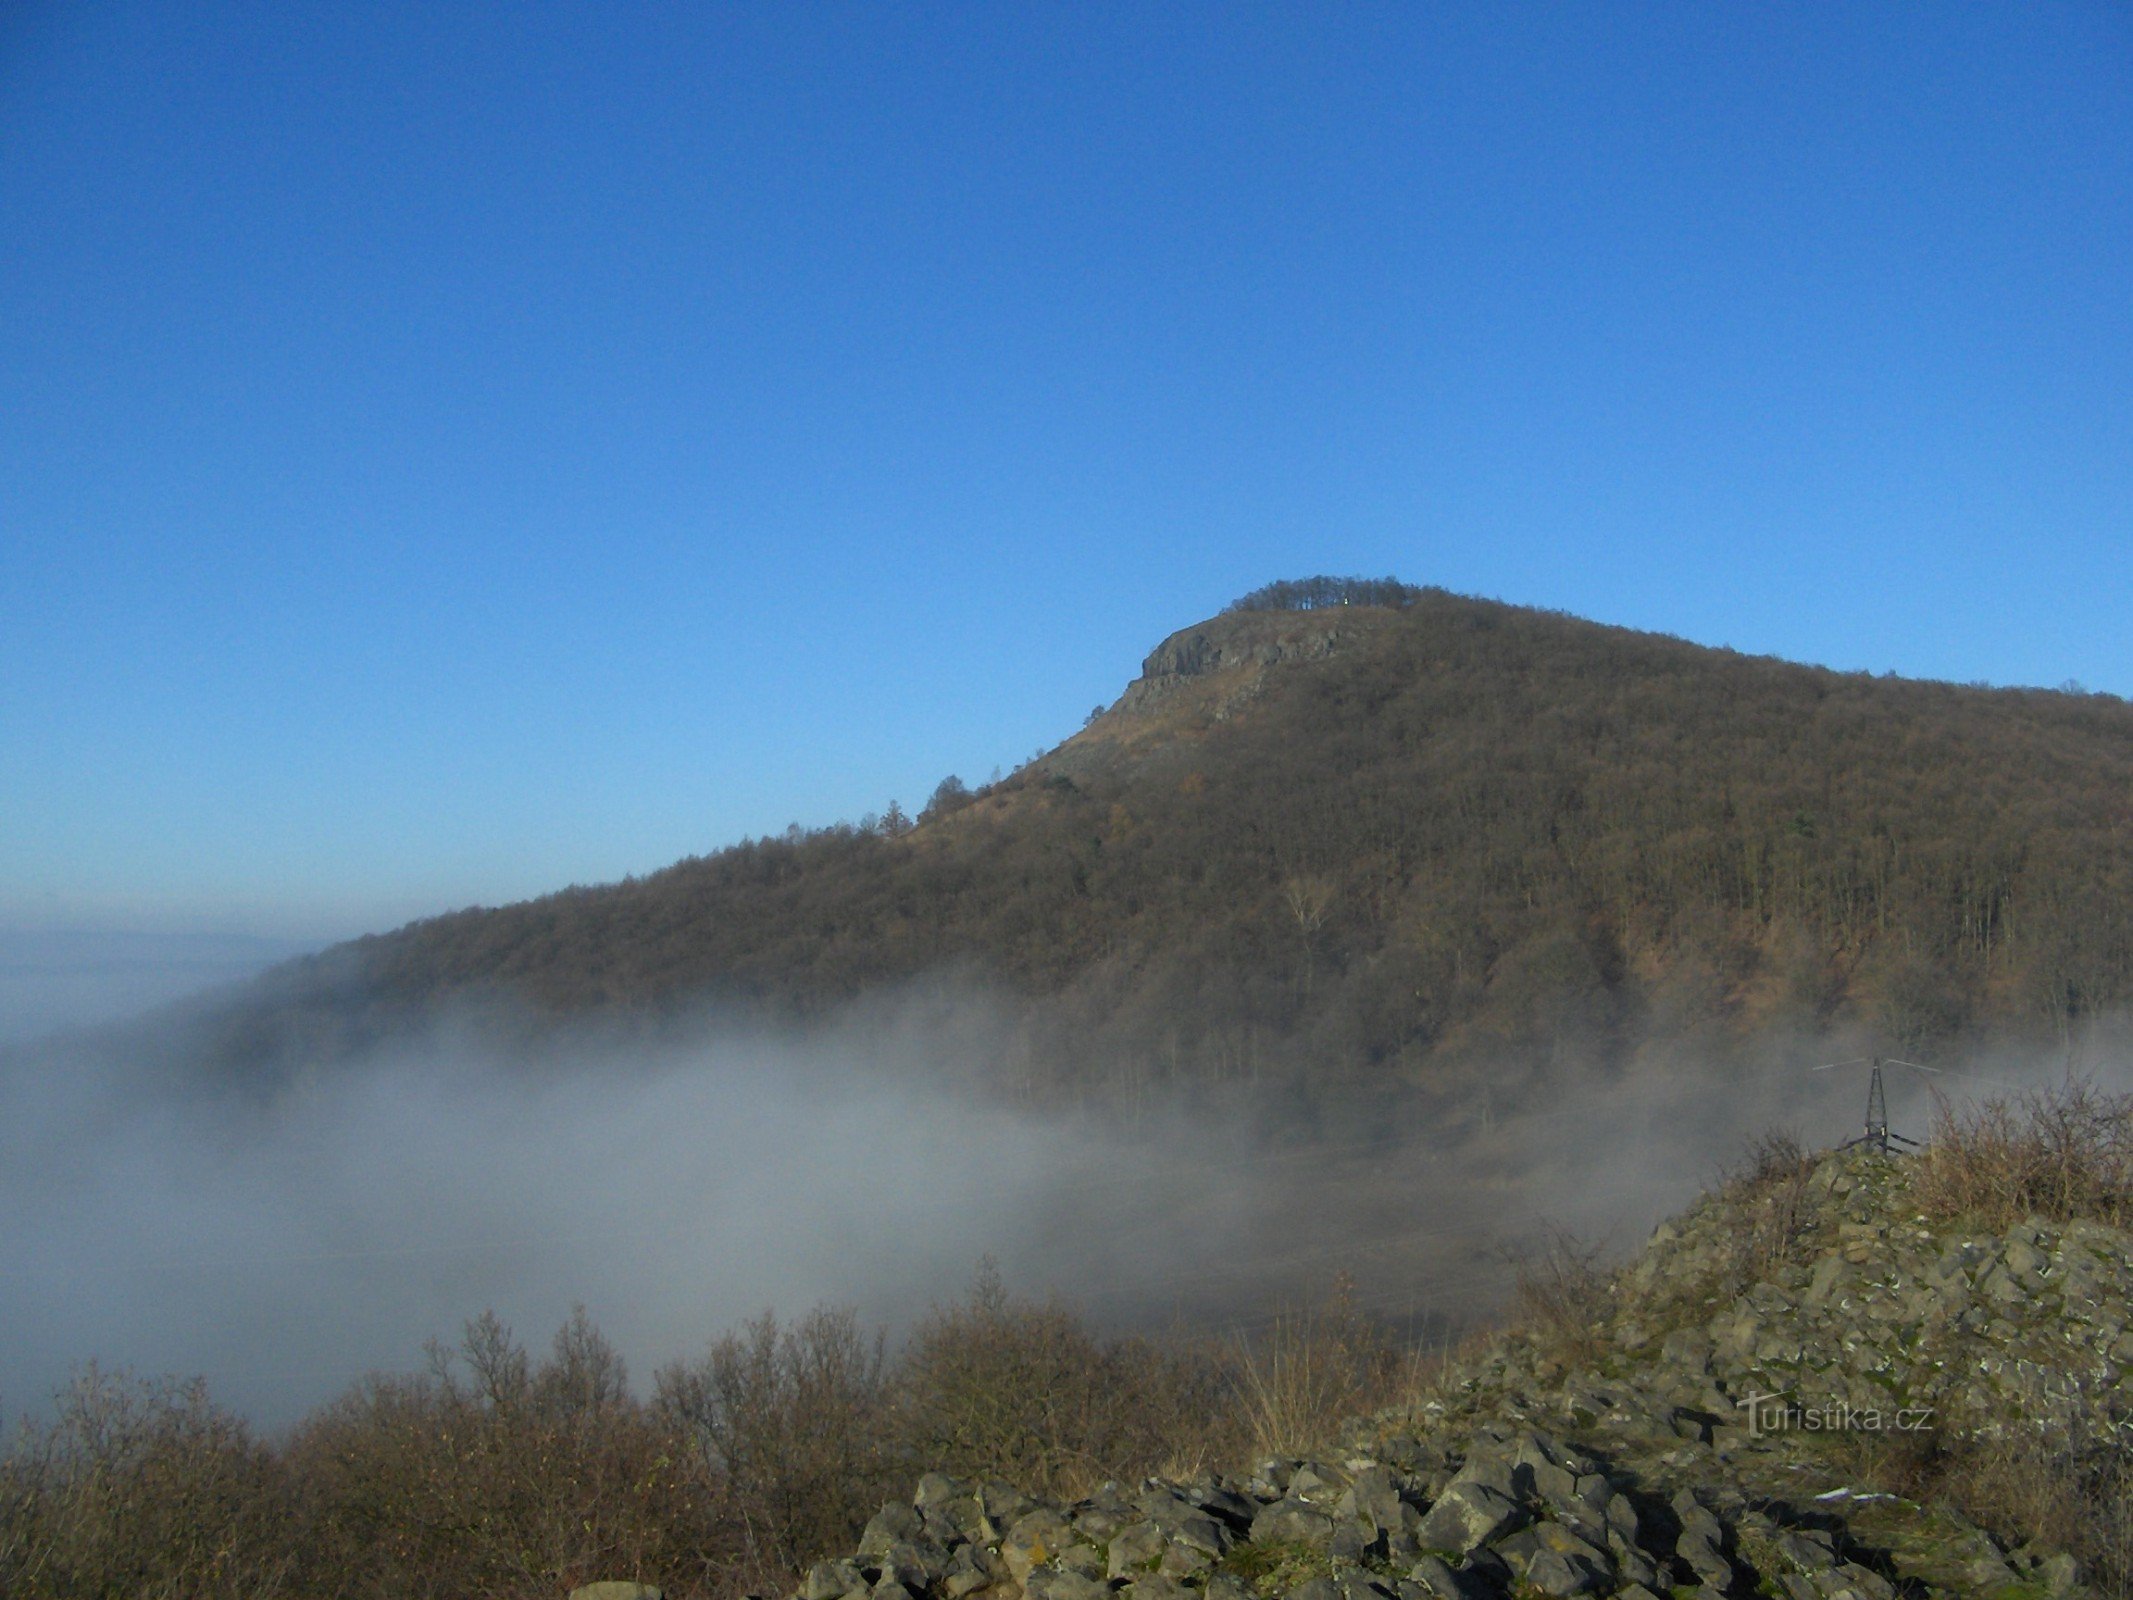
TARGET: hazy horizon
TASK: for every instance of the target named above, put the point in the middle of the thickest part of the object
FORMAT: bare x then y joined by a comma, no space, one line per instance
56,980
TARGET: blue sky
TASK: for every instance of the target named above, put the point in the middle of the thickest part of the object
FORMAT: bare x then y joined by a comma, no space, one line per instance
451,451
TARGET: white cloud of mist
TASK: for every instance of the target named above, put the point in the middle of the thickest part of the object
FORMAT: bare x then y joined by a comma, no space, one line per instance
284,1247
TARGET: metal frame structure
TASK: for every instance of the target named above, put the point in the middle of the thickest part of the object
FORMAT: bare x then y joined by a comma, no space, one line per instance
1878,1135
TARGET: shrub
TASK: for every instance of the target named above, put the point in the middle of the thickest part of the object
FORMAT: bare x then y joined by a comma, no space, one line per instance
526,1481
1772,1193
2060,1153
2064,1494
1006,1388
791,1422
999,1388
2071,1492
142,1488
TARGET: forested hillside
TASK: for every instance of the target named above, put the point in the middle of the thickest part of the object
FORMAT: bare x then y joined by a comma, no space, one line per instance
1366,831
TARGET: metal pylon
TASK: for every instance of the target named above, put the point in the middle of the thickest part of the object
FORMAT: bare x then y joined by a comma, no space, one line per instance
1877,1115
1878,1135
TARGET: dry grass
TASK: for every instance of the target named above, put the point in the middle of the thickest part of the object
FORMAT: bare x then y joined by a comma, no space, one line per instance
2059,1153
1772,1195
1560,1297
2056,1496
1314,1369
2072,1493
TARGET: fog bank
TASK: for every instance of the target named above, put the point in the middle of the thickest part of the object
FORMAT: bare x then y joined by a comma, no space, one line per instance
284,1246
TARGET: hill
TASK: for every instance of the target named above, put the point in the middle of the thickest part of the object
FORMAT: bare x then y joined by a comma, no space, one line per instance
1374,843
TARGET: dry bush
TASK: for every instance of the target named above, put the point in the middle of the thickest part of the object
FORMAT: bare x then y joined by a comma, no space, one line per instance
497,1476
1314,1370
1910,1464
144,1489
1772,1195
1000,1387
584,1374
1560,1296
523,1482
792,1422
2060,1153
1180,1395
1776,1160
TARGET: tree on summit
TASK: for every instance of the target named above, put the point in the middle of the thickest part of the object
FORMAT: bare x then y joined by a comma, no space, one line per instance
1313,594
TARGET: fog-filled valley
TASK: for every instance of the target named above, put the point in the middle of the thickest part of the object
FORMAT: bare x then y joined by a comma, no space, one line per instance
284,1242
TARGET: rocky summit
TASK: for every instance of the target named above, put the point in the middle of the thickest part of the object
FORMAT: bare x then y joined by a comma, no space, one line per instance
1798,1389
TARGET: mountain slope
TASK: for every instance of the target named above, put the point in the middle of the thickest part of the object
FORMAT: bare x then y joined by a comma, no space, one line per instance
1376,840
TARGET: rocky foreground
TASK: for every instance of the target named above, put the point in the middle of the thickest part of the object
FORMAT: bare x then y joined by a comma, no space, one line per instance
1702,1424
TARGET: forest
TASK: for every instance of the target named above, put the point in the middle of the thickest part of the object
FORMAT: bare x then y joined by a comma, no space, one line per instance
1370,834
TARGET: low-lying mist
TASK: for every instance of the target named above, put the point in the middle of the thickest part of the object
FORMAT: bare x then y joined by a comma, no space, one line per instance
282,1245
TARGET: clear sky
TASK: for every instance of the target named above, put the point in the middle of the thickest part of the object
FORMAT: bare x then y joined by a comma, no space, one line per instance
452,451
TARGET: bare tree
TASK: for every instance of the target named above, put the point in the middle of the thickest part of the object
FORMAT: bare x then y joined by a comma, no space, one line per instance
1309,896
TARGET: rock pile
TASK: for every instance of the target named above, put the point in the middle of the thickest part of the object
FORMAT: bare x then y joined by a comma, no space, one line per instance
1517,1511
1689,1447
1889,1314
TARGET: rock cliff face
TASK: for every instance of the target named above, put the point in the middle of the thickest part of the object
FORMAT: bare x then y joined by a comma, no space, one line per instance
1204,675
1230,654
1700,1432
